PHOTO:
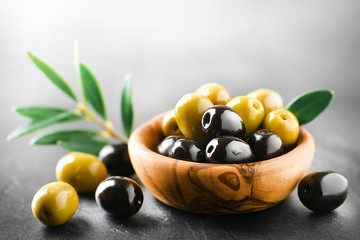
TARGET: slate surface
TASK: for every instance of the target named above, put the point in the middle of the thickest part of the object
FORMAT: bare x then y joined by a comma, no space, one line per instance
172,48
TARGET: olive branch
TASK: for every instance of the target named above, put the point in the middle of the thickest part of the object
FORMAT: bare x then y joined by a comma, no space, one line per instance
92,109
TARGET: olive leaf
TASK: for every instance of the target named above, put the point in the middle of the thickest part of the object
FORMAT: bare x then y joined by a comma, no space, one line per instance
52,75
307,106
91,91
127,112
42,112
63,135
37,124
84,145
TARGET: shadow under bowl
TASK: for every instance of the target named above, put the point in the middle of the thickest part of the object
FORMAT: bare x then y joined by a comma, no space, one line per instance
217,188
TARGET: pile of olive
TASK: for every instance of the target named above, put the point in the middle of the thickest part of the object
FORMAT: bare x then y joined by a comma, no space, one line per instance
55,203
210,126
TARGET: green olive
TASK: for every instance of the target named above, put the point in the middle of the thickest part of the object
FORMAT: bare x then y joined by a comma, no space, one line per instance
215,92
81,170
188,112
270,99
169,125
250,110
55,203
284,124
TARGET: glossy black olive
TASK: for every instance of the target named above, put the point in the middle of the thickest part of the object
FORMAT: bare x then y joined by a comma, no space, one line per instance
323,191
222,120
119,196
228,149
116,159
164,147
187,149
265,144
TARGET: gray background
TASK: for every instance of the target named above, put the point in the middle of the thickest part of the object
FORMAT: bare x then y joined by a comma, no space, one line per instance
172,48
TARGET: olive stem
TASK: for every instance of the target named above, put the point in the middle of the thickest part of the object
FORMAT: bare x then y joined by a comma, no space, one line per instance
108,126
111,131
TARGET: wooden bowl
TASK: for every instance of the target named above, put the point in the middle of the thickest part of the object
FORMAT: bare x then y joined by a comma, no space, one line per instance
217,188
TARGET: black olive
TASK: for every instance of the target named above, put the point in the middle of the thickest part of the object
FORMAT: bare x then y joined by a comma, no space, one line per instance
265,144
164,147
221,120
119,196
228,149
187,149
323,191
116,159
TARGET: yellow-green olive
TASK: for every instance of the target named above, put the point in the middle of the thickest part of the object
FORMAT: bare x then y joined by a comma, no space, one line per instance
81,170
270,99
215,92
188,112
250,110
169,125
55,203
284,124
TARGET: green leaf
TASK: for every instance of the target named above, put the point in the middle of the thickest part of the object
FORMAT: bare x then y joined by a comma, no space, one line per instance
91,91
309,105
41,112
41,123
84,145
127,112
52,75
63,135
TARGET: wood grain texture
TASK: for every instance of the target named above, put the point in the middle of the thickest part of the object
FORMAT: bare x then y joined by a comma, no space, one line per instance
217,188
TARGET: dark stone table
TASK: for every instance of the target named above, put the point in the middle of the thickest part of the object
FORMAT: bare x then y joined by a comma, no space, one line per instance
172,48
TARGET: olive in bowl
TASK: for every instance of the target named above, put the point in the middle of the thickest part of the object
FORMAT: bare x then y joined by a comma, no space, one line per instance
221,120
165,145
212,188
323,191
121,197
265,144
187,149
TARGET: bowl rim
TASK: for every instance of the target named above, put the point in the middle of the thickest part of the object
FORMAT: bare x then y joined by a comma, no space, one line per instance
137,141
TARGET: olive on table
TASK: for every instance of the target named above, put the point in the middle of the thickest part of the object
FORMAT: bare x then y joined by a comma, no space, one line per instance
165,145
222,120
81,170
116,159
119,196
284,124
270,99
227,149
215,92
188,112
187,149
250,110
323,191
265,144
55,203
169,125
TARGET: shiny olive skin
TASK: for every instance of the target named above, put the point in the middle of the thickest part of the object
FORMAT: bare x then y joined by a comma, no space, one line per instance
169,125
270,99
265,145
215,92
81,170
188,112
116,159
121,197
250,110
55,203
165,145
284,124
187,149
227,149
222,120
323,191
